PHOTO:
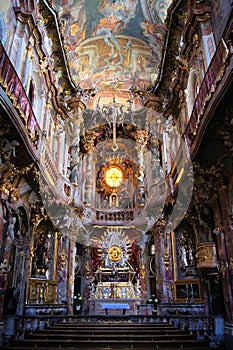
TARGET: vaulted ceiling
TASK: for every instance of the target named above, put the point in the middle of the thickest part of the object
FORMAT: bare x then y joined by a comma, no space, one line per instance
113,45
114,55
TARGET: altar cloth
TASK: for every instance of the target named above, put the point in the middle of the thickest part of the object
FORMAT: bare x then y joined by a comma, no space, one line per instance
122,306
115,306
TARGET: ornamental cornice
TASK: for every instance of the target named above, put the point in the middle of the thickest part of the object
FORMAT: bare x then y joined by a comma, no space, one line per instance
176,22
202,10
22,14
56,63
49,24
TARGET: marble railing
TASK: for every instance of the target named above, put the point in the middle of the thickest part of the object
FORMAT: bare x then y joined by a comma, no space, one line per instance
115,216
42,291
14,89
199,325
108,215
209,84
49,166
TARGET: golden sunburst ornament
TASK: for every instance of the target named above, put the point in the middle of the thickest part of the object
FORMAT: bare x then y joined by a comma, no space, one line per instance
113,176
114,253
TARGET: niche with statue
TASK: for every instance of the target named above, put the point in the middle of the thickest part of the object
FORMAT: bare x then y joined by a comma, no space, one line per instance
43,284
185,252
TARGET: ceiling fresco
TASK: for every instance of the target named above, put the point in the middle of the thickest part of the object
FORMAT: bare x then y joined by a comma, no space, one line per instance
113,45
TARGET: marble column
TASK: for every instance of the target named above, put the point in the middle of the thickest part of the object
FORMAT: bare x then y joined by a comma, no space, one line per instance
141,141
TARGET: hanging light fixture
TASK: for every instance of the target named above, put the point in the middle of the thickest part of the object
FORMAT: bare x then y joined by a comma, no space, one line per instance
114,113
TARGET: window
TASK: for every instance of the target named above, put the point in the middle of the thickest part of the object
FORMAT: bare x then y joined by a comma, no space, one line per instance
31,92
113,176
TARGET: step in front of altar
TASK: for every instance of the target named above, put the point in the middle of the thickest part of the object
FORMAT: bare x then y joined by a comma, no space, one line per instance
113,306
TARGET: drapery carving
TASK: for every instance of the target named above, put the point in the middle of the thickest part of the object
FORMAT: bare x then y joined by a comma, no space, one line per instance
95,261
135,258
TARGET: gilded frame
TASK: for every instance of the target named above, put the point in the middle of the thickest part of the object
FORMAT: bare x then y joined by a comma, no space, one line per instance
184,290
152,266
187,290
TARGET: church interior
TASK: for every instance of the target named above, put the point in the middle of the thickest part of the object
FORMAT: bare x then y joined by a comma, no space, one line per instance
116,181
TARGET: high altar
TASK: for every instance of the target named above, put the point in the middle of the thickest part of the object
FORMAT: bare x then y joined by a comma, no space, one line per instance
116,282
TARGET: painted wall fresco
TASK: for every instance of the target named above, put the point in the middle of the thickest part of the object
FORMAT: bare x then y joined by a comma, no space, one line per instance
112,40
4,21
220,12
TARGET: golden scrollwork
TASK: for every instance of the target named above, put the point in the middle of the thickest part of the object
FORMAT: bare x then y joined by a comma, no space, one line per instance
166,258
63,260
206,255
71,280
143,271
78,264
152,266
222,267
231,265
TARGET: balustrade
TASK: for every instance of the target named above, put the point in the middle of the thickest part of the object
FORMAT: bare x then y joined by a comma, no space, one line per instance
213,75
116,216
199,325
15,91
42,291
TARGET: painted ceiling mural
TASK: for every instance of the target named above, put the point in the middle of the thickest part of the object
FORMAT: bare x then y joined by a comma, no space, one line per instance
113,44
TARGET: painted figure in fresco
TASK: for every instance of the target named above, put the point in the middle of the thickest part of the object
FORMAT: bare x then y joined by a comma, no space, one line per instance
4,24
107,20
116,16
110,40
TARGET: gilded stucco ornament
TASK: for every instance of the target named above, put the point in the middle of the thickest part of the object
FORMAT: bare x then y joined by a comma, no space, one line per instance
206,255
63,259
